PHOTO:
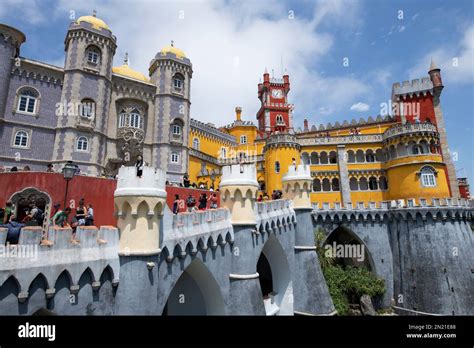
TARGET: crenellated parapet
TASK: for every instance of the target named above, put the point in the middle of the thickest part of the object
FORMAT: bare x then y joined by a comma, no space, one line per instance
92,250
188,233
442,210
238,189
139,204
297,185
272,215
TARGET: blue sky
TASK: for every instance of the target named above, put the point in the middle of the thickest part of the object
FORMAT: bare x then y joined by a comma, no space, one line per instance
231,42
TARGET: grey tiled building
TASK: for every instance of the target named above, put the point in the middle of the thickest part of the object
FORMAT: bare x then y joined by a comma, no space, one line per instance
89,112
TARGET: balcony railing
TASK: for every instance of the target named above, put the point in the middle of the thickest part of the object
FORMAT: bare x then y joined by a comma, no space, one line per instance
343,139
409,128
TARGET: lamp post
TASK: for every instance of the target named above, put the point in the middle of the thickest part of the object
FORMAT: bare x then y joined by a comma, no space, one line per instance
69,170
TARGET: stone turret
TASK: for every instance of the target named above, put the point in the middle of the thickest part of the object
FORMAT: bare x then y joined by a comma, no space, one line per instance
238,189
139,205
297,185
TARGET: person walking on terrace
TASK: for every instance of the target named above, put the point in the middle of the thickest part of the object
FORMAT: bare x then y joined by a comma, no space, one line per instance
139,165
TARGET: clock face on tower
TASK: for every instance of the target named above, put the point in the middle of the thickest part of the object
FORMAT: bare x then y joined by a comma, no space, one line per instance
277,93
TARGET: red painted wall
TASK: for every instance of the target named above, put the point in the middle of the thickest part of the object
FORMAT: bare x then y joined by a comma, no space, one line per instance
426,108
97,191
464,191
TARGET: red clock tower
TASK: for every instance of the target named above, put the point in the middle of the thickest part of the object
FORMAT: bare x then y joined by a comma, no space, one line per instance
275,111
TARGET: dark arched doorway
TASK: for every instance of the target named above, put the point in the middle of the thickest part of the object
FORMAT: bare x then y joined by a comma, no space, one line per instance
348,249
275,279
195,293
24,199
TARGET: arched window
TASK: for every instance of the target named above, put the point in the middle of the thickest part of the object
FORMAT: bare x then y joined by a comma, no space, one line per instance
332,157
401,149
176,129
87,108
277,167
428,177
21,138
423,145
369,156
335,184
82,144
353,184
178,82
305,158
379,157
360,156
363,185
196,143
93,55
323,157
27,100
326,185
135,119
383,183
350,156
373,183
314,158
393,152
279,120
174,157
316,185
223,152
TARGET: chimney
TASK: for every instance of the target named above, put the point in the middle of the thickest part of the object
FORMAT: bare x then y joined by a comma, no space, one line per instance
306,128
238,112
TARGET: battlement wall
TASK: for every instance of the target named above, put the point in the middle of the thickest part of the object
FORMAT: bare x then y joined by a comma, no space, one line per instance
92,250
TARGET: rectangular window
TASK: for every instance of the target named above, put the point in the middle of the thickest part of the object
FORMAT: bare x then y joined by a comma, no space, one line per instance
93,57
178,83
243,139
176,129
27,104
174,157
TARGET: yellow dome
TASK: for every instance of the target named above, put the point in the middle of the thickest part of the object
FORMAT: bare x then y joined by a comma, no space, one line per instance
97,23
171,49
125,70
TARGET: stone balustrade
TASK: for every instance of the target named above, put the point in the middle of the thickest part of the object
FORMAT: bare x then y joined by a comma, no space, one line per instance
409,128
343,139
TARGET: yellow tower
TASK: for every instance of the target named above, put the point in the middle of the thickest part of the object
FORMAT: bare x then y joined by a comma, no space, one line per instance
139,204
281,151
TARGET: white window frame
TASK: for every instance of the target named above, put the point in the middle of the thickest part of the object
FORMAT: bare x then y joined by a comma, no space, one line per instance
26,138
135,120
122,119
93,55
178,83
176,129
174,157
280,120
87,108
243,139
223,152
428,177
82,144
32,97
196,143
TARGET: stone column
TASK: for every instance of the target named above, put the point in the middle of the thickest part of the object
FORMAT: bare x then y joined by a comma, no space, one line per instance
239,189
311,295
343,174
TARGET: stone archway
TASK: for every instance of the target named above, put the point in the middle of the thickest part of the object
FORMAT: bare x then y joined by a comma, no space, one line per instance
195,293
22,199
275,279
355,251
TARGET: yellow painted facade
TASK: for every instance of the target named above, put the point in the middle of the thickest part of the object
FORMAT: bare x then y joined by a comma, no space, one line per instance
375,172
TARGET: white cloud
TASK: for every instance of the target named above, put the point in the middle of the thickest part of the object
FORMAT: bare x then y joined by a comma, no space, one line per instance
360,107
455,60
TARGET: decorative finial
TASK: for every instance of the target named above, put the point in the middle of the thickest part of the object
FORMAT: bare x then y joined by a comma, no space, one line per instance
266,71
433,65
172,43
125,60
94,13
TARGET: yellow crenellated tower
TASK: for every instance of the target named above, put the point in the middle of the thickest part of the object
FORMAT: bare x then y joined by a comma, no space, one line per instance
297,186
414,163
139,205
239,189
280,151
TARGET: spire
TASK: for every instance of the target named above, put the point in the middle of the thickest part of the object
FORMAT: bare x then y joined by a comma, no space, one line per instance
125,60
266,71
433,65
